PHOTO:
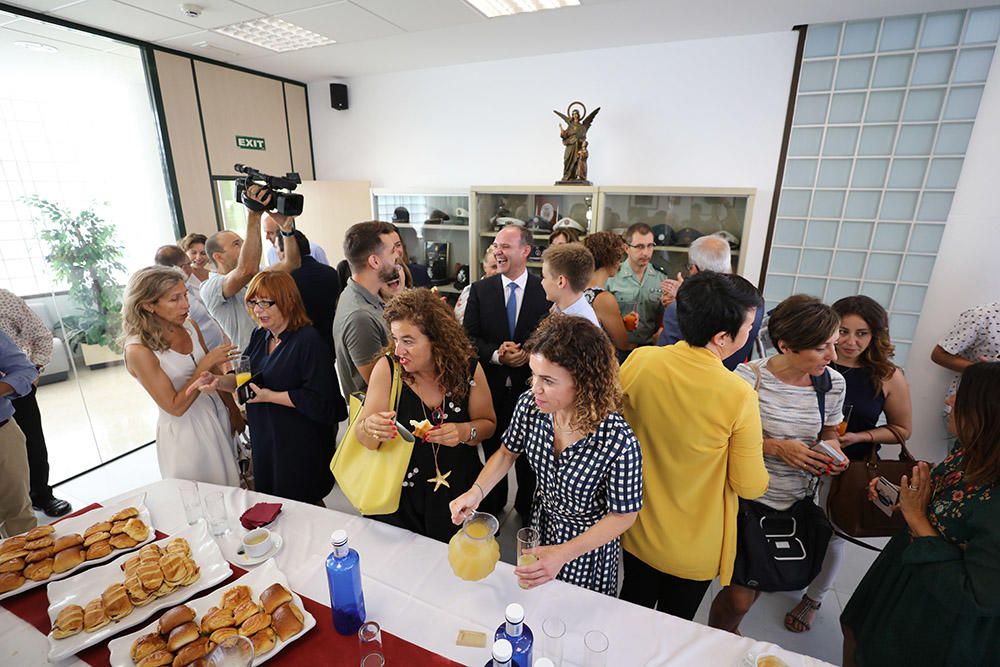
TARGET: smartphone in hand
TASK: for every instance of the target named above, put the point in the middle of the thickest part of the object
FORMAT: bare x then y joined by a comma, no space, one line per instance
824,448
886,495
244,393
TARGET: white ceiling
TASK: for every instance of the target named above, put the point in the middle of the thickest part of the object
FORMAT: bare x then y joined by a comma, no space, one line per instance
391,35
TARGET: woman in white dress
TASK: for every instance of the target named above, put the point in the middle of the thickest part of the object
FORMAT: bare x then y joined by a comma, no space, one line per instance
165,351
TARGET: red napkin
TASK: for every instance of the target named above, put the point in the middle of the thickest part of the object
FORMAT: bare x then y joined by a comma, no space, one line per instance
259,515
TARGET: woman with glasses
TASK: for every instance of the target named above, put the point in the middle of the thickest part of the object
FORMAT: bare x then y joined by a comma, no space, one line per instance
166,353
296,402
585,456
444,384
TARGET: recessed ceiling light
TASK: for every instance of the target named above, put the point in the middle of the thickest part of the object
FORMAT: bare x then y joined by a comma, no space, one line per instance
274,34
493,8
37,46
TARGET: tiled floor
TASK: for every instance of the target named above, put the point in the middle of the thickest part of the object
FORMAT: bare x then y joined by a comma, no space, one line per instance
764,622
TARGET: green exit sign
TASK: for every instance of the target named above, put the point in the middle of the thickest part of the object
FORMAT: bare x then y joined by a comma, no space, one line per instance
250,143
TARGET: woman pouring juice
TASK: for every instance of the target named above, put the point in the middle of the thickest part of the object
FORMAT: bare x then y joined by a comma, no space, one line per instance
584,454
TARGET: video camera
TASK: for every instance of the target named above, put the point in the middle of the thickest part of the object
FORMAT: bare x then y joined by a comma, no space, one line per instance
282,199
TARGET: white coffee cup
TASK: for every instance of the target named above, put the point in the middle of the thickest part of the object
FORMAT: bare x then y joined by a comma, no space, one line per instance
257,542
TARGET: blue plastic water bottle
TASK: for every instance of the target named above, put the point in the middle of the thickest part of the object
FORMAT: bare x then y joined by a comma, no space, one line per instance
343,573
518,634
502,651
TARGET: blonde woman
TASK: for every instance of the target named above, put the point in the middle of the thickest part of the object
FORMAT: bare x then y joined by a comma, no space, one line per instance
165,352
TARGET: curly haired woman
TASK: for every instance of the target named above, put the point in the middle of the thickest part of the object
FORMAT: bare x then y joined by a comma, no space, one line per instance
442,383
584,454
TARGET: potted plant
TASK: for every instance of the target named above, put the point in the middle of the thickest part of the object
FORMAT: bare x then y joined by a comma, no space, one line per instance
84,252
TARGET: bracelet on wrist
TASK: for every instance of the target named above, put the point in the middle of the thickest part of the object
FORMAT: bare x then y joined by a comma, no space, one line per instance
871,436
482,494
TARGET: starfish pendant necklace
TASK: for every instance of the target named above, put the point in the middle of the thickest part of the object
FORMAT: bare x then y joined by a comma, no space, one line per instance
438,480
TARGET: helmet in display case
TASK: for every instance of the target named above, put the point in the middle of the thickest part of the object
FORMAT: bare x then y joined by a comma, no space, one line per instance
570,223
436,217
501,222
734,242
539,224
401,214
461,216
661,261
687,236
663,234
536,252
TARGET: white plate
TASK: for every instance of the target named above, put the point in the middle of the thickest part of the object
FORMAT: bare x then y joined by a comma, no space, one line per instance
86,587
249,561
257,580
78,524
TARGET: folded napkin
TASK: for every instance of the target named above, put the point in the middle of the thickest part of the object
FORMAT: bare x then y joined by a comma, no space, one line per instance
259,515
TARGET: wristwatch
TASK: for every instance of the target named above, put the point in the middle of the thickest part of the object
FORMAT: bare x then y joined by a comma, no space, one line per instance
472,432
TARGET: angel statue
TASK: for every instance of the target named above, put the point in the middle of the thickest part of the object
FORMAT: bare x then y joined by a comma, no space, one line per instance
574,136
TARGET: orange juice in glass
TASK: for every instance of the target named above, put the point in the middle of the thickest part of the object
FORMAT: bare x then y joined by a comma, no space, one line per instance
842,426
473,551
243,373
528,538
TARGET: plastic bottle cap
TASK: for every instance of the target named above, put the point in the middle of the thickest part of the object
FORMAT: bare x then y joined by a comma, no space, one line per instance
339,538
502,650
544,662
514,613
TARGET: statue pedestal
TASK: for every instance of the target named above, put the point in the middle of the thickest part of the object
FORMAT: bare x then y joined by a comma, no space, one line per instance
574,182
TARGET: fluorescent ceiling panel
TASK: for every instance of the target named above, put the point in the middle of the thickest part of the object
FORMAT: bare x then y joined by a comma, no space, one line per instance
493,8
275,34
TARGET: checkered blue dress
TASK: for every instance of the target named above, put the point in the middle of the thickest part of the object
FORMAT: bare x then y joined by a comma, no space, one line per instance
599,474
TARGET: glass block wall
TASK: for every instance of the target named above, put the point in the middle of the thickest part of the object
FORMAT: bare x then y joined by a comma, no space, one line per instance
882,119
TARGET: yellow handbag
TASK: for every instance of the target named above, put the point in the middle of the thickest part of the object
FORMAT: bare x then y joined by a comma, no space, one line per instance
372,479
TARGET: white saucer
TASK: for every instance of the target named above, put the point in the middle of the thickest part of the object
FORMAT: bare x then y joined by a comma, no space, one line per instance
243,559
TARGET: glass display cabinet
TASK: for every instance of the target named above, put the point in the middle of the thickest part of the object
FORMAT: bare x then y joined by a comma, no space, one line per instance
678,216
434,227
538,207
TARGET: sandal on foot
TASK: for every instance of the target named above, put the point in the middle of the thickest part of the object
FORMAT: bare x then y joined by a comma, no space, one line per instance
801,617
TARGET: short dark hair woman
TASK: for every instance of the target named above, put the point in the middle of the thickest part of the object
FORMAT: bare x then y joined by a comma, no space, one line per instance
933,595
584,454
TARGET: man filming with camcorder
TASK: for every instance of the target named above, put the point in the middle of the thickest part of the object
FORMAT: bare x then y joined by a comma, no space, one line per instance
237,260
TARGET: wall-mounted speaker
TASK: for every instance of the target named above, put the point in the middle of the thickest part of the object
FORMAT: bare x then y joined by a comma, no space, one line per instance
338,96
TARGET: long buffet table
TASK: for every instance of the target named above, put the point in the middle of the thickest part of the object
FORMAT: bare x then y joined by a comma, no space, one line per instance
411,591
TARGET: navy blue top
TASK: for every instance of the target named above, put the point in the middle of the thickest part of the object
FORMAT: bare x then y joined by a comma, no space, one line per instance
292,447
320,288
867,403
17,371
672,333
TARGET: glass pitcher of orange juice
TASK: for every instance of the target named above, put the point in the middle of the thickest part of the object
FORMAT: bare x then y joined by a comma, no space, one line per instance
473,552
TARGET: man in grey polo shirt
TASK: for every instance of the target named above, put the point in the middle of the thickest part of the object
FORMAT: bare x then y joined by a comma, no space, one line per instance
237,262
374,251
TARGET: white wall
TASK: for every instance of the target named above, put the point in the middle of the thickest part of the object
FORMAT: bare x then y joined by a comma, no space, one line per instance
965,273
698,113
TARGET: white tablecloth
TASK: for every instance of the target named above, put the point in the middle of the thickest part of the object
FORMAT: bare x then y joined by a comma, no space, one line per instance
411,591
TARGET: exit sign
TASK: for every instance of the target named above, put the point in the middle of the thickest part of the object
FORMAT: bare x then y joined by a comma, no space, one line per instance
250,143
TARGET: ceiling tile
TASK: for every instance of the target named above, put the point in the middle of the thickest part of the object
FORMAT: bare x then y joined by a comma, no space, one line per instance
424,15
124,19
51,32
343,22
272,7
45,5
236,48
215,13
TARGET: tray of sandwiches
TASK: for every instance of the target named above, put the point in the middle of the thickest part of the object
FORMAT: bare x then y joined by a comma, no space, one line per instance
259,605
102,602
52,552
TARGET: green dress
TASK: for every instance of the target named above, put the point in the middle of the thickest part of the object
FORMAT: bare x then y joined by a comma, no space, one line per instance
935,600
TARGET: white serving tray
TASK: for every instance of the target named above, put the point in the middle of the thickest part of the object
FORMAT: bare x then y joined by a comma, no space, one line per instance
78,524
89,585
258,580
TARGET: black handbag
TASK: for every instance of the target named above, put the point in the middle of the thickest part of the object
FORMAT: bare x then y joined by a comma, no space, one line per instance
782,550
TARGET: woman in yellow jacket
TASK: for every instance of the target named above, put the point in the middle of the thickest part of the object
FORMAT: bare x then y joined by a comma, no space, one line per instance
699,428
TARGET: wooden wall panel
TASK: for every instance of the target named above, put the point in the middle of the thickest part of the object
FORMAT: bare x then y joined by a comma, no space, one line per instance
180,108
298,128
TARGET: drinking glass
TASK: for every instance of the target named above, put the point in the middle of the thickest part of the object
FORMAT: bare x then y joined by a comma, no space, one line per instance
553,630
370,639
243,373
215,511
235,651
595,649
842,427
191,501
527,539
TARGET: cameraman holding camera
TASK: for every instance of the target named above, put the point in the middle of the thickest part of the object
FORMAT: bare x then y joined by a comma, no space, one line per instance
237,261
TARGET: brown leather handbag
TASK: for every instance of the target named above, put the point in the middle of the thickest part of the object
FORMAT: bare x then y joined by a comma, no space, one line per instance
848,506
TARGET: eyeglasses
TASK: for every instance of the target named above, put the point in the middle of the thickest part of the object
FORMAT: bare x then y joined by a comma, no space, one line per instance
642,246
260,303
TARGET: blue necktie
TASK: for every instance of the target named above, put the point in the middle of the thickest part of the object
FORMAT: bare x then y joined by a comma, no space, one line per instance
512,309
